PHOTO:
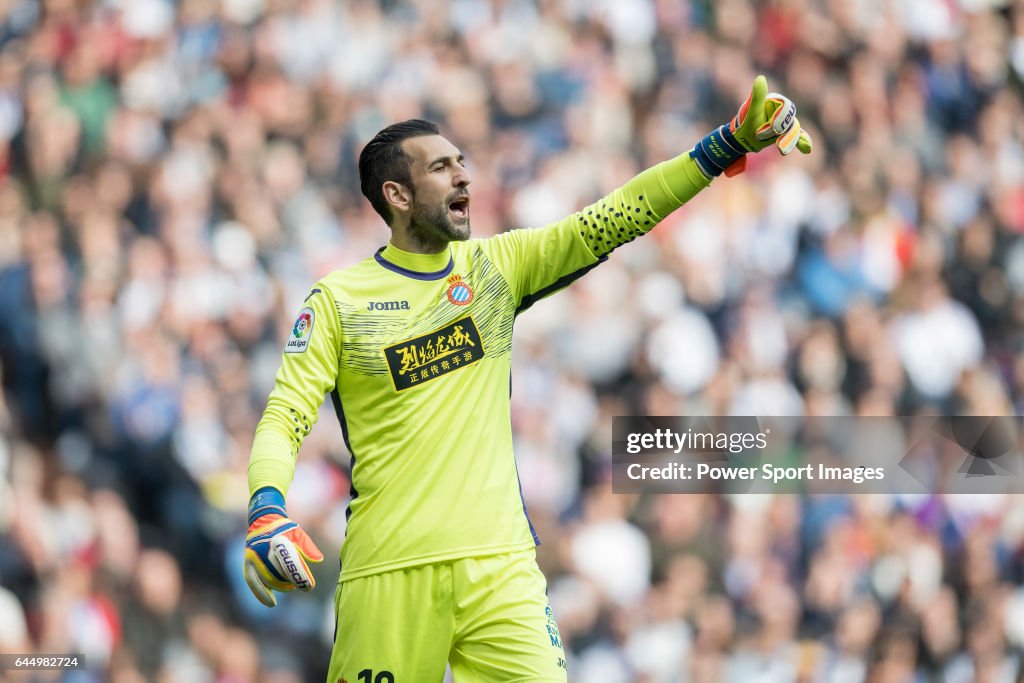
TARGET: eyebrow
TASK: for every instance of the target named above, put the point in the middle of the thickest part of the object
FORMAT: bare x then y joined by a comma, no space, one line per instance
459,158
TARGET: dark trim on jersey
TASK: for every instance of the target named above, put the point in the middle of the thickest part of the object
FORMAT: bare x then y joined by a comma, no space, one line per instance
340,412
560,283
415,275
519,482
533,532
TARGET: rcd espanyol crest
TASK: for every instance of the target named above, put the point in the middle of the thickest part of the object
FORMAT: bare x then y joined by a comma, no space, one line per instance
459,292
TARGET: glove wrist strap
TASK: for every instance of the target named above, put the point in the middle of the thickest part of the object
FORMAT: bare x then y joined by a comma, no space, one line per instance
266,501
718,150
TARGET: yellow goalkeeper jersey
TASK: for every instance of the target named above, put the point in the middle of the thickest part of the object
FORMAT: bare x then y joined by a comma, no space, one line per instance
415,351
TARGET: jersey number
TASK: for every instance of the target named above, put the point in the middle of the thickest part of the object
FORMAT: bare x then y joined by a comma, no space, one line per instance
366,676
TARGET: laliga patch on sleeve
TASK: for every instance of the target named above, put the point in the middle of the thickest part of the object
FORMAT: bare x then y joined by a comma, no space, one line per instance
302,330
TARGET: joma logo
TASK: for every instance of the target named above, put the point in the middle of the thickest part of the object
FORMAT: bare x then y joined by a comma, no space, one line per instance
388,306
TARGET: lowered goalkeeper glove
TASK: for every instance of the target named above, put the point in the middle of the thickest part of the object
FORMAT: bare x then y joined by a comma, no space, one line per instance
277,550
764,119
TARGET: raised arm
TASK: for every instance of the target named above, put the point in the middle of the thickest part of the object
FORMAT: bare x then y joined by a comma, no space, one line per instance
540,261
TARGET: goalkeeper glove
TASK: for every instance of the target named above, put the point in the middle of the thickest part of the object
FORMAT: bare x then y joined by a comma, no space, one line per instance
277,550
764,119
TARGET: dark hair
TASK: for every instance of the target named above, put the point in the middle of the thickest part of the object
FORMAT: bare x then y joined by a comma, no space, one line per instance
383,159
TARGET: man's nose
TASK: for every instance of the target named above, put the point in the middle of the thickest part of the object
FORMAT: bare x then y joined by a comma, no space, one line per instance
461,177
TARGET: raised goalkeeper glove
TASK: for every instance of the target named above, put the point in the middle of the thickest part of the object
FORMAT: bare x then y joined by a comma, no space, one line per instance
277,550
764,119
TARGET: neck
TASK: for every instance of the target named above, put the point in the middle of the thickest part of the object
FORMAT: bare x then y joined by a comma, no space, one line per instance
414,243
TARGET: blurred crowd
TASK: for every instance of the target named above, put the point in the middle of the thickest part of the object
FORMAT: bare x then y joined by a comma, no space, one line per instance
175,174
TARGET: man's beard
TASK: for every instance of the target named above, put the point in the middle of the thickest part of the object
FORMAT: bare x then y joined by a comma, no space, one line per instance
431,227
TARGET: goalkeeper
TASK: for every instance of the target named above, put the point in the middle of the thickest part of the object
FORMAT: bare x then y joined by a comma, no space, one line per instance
414,345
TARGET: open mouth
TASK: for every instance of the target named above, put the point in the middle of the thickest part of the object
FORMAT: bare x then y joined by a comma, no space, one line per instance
460,207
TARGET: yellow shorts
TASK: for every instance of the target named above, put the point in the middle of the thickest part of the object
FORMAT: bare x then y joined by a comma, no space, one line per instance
486,616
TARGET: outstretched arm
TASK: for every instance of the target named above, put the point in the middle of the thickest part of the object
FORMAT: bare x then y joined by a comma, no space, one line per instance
540,261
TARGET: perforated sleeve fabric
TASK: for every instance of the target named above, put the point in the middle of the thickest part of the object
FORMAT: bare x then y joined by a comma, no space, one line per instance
541,261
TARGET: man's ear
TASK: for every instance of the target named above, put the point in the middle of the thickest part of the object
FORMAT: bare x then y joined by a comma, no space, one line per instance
397,195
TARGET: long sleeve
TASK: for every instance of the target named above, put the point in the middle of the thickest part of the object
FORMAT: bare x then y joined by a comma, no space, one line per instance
309,369
540,261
